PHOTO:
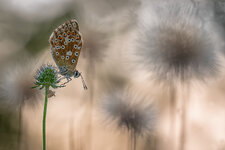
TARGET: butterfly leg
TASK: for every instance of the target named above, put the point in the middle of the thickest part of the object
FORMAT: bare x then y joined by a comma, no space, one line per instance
68,80
61,78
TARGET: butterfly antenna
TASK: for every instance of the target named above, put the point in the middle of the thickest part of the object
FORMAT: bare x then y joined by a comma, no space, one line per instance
83,82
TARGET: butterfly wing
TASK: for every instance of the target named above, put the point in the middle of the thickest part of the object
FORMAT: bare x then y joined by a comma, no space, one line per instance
66,44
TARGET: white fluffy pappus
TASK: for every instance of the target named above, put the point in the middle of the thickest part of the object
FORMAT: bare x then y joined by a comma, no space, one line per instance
174,43
129,111
16,84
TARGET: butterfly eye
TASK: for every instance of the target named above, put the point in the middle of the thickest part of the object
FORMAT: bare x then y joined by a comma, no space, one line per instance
73,61
67,57
57,53
77,74
75,46
63,47
76,54
62,57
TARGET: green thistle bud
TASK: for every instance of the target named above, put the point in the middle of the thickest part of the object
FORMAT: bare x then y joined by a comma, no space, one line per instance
47,76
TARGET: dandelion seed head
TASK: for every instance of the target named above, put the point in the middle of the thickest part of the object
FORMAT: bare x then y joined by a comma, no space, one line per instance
177,45
95,46
129,112
16,82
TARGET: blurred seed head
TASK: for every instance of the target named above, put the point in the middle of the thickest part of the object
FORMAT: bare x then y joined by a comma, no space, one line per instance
219,13
104,8
129,111
16,82
220,10
95,42
113,78
177,45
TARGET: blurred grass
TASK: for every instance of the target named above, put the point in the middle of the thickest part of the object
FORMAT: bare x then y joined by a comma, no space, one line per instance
8,130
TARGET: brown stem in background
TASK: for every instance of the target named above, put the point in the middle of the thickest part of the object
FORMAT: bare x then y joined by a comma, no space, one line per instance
91,78
184,108
19,127
129,140
172,115
74,135
134,140
71,135
22,137
26,138
80,143
154,143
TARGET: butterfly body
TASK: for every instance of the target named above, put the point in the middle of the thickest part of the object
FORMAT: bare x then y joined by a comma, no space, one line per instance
66,44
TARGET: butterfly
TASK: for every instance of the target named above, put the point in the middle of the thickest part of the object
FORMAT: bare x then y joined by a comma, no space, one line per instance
66,45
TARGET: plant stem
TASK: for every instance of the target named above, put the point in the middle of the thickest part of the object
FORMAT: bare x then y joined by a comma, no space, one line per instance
71,131
134,140
20,127
172,112
44,117
184,107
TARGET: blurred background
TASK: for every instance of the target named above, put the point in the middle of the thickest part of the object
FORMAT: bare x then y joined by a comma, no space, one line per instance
75,119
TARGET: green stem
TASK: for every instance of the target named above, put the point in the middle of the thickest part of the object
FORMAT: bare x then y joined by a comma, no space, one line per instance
44,117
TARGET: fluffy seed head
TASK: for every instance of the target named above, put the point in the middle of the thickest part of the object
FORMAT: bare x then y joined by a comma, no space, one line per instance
129,111
16,82
177,45
94,48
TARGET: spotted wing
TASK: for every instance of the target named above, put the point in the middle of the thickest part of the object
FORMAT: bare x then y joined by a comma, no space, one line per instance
66,44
